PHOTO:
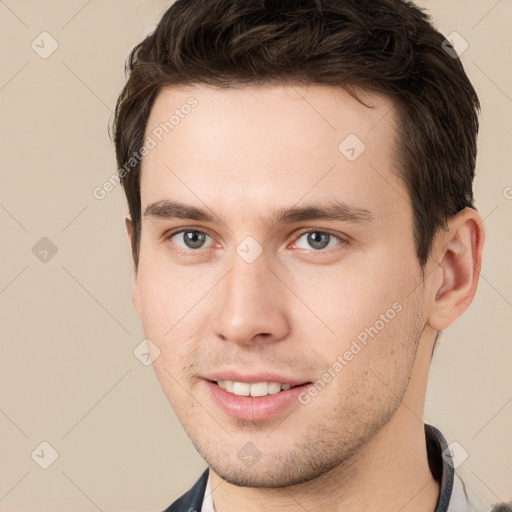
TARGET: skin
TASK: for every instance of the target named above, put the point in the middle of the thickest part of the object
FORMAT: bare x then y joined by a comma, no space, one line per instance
241,153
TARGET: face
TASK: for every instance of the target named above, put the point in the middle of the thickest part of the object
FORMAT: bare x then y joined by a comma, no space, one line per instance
278,278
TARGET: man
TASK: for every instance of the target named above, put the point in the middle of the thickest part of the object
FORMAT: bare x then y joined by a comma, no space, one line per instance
299,179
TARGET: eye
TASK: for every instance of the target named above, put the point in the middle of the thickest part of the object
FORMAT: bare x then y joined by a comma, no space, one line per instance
317,240
189,239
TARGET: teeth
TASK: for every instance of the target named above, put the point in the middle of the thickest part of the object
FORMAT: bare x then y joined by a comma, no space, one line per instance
259,389
273,388
253,389
241,388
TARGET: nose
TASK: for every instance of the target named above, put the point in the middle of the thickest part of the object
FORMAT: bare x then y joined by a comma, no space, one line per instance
252,306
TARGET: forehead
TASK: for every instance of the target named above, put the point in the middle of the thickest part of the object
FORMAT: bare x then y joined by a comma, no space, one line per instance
269,143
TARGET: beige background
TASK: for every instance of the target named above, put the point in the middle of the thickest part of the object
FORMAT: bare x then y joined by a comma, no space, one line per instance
68,373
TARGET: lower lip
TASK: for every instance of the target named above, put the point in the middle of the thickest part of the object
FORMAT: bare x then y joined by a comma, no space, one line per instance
258,408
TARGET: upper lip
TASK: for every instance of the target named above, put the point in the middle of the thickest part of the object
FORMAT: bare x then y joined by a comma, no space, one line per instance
237,376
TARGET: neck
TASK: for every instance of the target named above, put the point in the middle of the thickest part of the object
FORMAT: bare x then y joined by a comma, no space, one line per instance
389,473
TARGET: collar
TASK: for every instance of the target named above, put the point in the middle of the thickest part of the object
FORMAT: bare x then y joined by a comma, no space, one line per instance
439,461
441,466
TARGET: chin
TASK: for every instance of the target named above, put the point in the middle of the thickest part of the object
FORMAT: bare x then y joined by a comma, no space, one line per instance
274,470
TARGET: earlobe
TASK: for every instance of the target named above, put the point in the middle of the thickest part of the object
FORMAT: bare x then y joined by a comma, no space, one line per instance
135,287
128,226
459,261
129,234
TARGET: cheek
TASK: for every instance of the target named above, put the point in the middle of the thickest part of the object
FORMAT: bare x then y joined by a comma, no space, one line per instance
169,317
170,295
346,300
372,368
371,323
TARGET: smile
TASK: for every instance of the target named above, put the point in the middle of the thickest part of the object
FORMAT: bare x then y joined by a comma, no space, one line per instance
253,388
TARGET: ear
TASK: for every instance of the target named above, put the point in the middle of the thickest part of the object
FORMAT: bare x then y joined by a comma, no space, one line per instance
135,286
455,275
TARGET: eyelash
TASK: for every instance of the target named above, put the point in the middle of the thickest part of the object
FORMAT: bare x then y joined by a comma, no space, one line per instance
342,241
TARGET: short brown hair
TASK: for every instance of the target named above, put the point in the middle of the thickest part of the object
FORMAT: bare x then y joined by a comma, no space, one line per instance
384,46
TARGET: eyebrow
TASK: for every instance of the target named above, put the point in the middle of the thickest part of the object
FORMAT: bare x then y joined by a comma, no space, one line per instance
330,210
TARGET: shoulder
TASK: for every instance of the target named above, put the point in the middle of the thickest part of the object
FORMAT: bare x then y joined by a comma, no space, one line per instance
192,500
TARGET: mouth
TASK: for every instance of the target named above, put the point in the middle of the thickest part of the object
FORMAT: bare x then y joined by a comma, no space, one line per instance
254,389
259,400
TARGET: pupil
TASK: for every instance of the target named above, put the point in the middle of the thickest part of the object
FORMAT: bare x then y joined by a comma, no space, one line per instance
194,239
318,240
